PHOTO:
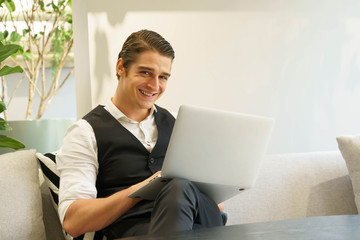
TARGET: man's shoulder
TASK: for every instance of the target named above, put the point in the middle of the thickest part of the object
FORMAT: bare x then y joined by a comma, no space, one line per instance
81,129
95,111
163,111
99,115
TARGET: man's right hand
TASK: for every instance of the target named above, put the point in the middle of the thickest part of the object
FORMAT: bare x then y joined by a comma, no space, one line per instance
140,184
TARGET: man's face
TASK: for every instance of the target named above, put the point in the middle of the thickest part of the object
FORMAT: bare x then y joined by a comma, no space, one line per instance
144,81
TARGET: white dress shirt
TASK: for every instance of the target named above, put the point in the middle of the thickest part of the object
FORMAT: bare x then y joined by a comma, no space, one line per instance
77,159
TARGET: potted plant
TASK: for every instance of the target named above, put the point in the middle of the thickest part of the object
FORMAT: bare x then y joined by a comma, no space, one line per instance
43,29
46,39
5,52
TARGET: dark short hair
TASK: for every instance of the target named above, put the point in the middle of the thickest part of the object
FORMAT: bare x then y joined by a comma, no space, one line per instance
141,41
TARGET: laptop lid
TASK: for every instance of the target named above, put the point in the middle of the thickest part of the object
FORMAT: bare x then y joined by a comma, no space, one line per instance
218,147
220,151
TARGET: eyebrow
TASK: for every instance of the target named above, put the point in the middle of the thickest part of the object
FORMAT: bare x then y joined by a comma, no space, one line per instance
151,69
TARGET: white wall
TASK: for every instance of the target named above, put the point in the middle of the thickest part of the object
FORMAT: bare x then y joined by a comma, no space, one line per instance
296,61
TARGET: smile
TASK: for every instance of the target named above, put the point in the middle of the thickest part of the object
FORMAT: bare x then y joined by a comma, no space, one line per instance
147,94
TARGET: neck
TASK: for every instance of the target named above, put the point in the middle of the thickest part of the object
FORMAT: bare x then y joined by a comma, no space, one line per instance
133,114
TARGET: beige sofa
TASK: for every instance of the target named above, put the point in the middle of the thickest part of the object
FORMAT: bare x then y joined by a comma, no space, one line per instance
295,186
288,186
26,211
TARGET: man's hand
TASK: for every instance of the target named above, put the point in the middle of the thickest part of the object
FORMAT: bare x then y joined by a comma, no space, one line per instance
140,184
221,206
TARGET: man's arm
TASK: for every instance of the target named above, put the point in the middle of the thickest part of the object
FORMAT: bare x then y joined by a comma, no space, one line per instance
90,215
79,209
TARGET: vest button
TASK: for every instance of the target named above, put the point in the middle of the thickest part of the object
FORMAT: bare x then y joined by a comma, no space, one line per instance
151,160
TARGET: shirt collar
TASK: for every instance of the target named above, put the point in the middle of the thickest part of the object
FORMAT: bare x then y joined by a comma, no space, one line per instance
117,114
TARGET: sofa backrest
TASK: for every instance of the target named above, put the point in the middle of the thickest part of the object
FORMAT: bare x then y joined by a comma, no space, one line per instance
288,186
295,186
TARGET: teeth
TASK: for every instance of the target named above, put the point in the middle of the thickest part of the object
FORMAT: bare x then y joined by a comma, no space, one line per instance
147,94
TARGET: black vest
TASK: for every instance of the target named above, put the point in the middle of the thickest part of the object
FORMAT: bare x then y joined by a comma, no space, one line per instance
123,160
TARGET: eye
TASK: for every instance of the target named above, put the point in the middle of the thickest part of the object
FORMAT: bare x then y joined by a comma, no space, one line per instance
145,73
163,77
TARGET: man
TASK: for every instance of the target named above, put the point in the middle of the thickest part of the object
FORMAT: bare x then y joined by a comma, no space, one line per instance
118,147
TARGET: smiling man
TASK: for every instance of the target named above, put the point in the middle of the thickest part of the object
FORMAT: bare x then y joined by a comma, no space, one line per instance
141,84
118,147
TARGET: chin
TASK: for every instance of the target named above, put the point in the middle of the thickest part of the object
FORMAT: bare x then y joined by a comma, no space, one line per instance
147,106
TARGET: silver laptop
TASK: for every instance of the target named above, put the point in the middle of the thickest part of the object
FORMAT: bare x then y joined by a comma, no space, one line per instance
219,151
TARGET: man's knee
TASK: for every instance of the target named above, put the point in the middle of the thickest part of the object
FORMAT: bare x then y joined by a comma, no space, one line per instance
180,184
179,189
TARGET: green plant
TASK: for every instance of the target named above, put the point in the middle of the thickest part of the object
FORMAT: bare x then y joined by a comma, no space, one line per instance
5,52
46,38
5,141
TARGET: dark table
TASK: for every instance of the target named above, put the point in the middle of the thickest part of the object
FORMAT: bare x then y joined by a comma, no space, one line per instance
344,227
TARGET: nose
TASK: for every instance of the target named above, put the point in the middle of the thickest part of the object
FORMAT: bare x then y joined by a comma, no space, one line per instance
154,83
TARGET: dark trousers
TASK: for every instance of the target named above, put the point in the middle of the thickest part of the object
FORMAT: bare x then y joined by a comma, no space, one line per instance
179,206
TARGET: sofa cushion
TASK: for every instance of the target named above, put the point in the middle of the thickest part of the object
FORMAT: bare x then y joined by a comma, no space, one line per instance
21,215
52,180
295,185
51,175
350,150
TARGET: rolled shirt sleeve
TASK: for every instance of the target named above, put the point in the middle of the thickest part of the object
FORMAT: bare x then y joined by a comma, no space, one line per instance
78,166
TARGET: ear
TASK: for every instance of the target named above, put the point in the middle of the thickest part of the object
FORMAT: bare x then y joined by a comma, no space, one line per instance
120,68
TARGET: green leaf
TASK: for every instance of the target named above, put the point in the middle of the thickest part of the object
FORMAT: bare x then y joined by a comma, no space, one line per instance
42,5
20,51
28,55
8,142
6,70
4,35
69,18
25,31
15,37
56,9
4,125
10,5
7,50
2,106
